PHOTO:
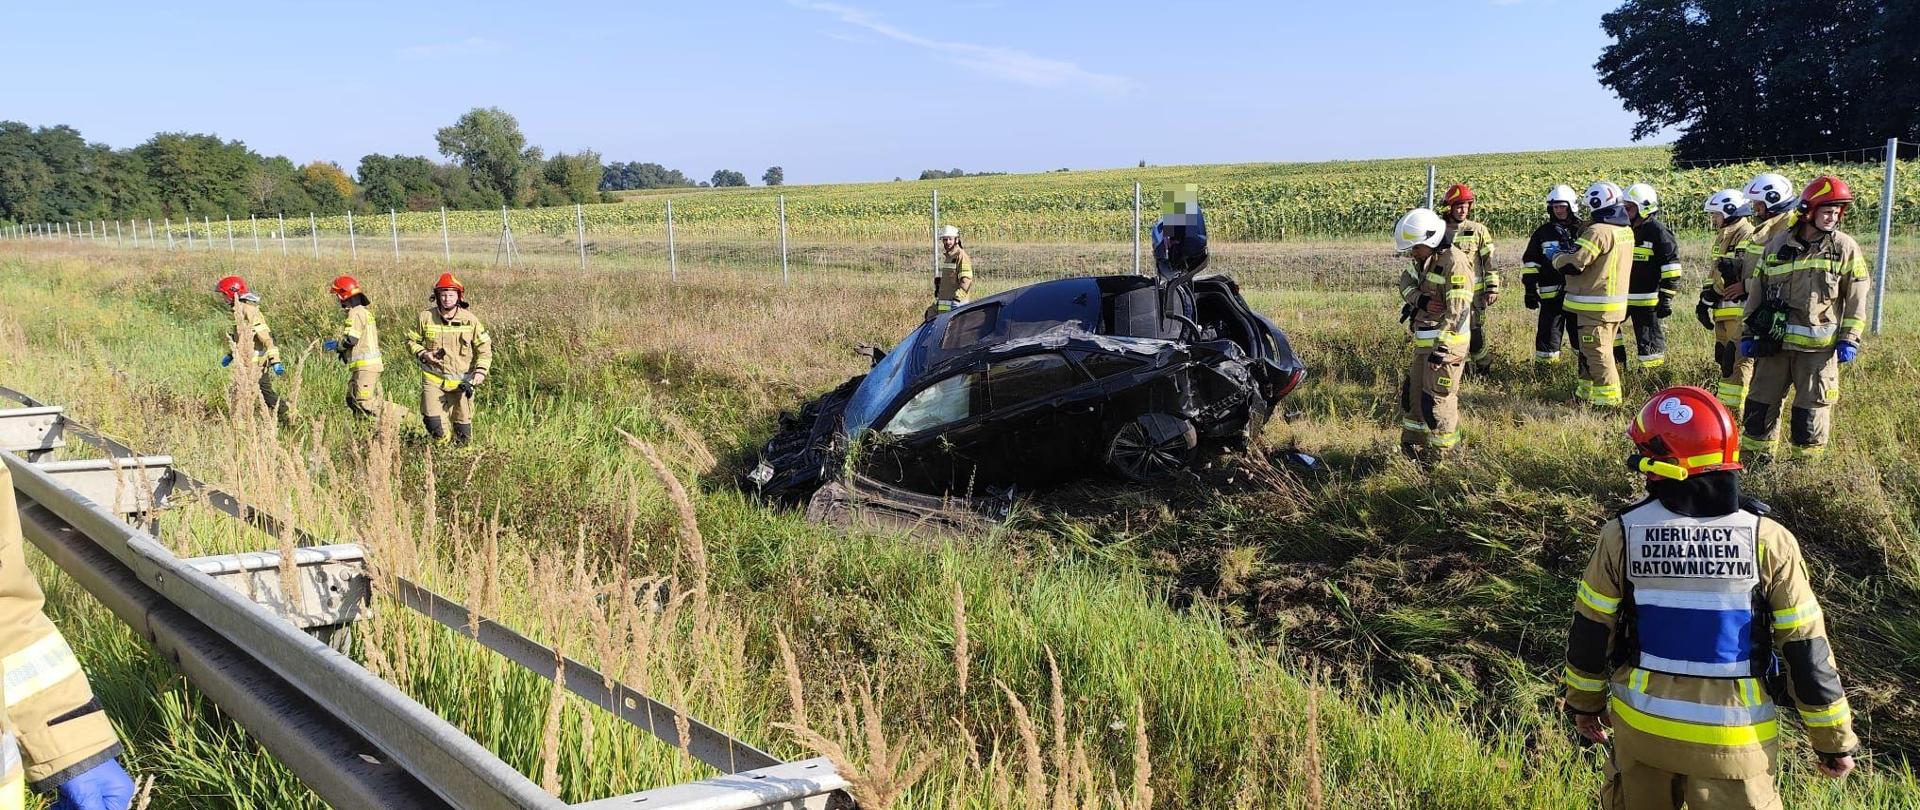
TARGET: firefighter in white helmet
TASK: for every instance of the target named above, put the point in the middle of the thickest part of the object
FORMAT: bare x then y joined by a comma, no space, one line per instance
1776,204
1437,289
953,281
1596,291
1543,281
1718,310
1655,278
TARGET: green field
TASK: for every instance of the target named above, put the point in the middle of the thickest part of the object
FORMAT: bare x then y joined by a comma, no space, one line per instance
1384,638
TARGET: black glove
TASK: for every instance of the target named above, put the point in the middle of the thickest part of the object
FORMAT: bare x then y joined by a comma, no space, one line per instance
1704,311
1533,298
1665,308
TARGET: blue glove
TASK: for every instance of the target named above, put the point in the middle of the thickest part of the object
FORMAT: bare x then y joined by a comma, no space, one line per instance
105,786
1848,350
1550,249
279,370
331,345
1746,346
226,361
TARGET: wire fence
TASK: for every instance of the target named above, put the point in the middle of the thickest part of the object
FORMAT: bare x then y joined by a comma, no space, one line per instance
1323,231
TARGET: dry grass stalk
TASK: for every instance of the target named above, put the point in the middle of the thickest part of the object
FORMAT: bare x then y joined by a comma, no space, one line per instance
1057,709
888,773
696,446
962,656
796,692
1036,770
1142,797
694,547
1316,793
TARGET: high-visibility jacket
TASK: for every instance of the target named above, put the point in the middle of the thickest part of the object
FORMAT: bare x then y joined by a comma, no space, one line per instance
54,729
955,266
360,340
1473,239
1764,230
1448,277
1540,275
1727,270
1597,271
1656,264
1677,623
457,345
1824,284
250,330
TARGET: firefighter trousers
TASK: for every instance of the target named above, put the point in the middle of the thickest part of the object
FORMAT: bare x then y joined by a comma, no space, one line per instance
1430,403
1478,352
1636,786
1814,379
439,405
363,391
1735,371
1553,322
1599,375
1649,338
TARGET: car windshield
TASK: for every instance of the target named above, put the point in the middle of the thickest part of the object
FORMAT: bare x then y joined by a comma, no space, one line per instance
884,382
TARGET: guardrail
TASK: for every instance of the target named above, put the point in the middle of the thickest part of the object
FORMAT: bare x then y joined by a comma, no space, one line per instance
233,628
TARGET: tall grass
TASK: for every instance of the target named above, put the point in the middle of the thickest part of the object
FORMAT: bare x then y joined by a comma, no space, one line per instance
1383,638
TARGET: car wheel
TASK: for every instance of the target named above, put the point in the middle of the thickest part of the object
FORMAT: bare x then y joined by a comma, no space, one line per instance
1152,448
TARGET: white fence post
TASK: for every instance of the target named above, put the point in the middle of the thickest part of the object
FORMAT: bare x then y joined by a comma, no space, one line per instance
281,217
783,239
254,222
207,222
313,230
1886,233
446,246
936,236
150,239
229,233
118,240
580,234
1429,186
1136,229
673,262
353,241
167,223
189,226
393,225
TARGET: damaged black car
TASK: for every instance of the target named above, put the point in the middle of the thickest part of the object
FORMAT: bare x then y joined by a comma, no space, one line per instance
1129,376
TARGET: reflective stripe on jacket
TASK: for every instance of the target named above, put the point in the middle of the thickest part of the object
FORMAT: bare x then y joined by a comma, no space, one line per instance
250,331
459,345
1448,277
1473,239
1656,263
1597,272
364,333
1824,285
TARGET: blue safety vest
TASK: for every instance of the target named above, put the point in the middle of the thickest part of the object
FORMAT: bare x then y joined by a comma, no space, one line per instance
1694,582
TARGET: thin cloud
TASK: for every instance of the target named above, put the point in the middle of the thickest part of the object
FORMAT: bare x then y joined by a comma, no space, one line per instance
999,62
441,50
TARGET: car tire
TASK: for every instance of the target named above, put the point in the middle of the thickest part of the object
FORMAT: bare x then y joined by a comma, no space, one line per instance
1152,448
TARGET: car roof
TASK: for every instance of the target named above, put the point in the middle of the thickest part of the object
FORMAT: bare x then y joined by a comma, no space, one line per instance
1024,312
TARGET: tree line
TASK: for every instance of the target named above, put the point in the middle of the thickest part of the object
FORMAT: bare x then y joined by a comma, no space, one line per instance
52,174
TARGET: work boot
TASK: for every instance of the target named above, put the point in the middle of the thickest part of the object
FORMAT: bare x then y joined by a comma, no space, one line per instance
436,428
462,434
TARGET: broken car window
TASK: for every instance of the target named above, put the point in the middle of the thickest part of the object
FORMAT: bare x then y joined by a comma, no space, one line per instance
1020,379
945,402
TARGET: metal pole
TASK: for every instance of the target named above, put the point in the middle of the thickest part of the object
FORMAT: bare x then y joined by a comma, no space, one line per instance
313,230
254,222
353,242
168,224
393,225
207,222
118,240
446,247
282,217
150,232
229,233
1429,186
506,235
1136,229
673,262
189,226
1886,233
783,239
936,236
580,232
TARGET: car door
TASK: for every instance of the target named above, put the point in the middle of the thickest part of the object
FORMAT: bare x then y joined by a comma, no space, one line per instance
928,443
1045,414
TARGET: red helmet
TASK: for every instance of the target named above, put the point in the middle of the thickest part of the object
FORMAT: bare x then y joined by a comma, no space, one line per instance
232,287
448,282
1684,431
345,287
1458,193
1825,190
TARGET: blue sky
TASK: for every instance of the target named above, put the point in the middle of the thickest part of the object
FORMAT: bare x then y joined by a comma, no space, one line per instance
832,91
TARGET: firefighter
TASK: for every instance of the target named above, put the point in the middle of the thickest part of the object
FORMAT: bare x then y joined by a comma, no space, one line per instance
56,737
1805,309
953,283
1717,311
1653,281
250,331
1691,603
1595,291
455,353
1473,238
1438,291
1775,204
1543,281
359,347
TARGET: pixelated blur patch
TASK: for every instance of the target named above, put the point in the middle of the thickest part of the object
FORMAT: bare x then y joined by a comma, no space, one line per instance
1181,201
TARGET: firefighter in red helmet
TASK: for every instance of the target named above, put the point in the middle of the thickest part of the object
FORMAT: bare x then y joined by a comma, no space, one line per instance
358,346
249,339
1693,602
455,354
1472,238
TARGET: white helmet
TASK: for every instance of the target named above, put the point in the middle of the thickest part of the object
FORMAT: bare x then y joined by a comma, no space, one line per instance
1773,192
949,232
1603,195
1644,197
1729,202
1419,227
1562,194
